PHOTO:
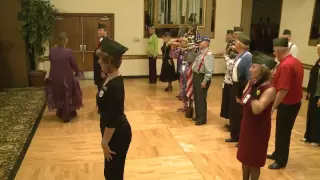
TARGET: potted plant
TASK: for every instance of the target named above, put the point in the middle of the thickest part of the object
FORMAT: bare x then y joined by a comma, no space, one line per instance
37,22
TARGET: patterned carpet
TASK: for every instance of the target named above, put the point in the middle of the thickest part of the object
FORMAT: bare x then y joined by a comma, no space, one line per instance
20,113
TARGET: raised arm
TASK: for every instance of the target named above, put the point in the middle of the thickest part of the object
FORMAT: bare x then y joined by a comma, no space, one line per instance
259,105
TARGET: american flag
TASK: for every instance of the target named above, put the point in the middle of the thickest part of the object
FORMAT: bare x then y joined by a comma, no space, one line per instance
189,90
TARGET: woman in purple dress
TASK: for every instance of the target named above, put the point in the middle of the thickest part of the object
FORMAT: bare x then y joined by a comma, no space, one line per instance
63,91
180,53
257,103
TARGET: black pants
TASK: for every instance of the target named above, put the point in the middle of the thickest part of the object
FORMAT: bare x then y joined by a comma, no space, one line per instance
286,116
152,69
312,134
200,97
225,103
119,143
235,115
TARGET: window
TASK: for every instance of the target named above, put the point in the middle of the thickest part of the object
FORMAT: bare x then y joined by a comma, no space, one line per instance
176,16
314,37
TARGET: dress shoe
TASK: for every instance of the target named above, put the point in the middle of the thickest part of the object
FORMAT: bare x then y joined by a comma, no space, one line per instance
198,123
275,165
270,156
230,140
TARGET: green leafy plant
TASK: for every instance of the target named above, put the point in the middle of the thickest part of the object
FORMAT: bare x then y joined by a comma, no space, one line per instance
37,22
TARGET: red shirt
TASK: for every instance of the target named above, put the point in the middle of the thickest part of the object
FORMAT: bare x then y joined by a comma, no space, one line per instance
289,76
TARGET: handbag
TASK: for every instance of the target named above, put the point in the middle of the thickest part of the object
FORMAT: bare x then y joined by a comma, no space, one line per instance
189,112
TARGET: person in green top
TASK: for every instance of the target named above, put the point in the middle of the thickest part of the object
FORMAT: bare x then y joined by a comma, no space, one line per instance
152,52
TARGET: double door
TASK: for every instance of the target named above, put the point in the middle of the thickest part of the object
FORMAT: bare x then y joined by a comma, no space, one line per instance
82,35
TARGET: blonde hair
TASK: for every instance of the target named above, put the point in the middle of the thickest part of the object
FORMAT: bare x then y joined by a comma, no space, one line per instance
265,72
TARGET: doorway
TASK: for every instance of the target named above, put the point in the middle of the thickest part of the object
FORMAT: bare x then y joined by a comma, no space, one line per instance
82,36
264,23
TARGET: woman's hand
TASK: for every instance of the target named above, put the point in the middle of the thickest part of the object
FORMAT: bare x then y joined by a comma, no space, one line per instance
238,100
308,96
106,151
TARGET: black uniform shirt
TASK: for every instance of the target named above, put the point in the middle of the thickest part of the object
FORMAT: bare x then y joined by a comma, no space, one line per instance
110,100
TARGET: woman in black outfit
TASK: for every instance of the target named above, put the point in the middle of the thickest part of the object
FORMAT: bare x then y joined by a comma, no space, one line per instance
312,134
168,73
115,128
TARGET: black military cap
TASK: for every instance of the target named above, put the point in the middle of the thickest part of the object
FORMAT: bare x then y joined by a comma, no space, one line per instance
286,32
112,48
237,29
244,39
229,31
280,42
263,59
151,26
101,26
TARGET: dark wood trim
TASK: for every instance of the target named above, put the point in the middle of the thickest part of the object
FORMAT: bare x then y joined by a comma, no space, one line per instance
146,76
307,66
126,57
313,14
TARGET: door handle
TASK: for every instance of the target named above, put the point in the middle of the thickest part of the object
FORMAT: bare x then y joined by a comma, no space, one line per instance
84,47
81,48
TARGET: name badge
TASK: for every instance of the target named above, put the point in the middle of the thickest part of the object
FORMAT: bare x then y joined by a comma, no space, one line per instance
101,93
245,99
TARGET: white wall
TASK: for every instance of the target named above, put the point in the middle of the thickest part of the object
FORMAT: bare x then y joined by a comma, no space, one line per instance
297,16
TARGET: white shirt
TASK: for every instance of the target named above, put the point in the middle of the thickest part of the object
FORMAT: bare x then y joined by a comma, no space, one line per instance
293,50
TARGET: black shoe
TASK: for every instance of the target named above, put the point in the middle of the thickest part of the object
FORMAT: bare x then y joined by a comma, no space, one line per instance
275,165
230,140
169,88
152,82
198,123
270,156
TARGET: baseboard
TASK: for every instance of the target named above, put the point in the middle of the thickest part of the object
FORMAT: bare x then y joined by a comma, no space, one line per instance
146,76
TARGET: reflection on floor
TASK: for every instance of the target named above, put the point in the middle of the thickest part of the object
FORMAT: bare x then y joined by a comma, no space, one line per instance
165,145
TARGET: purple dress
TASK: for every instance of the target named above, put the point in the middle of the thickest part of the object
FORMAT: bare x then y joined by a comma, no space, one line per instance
63,91
182,69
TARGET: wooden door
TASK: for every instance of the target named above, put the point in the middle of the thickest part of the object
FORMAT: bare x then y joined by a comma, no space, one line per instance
91,39
72,26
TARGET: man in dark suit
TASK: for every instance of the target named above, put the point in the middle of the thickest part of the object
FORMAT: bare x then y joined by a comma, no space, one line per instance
99,76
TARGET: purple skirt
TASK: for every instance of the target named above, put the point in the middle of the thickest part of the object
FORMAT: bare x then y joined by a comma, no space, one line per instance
65,95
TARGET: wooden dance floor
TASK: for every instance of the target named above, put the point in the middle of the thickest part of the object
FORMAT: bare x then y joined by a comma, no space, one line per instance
165,145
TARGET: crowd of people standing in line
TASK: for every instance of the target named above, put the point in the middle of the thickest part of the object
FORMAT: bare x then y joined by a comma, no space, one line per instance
255,85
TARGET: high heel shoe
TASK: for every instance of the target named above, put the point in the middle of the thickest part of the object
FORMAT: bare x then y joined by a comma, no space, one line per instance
168,89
